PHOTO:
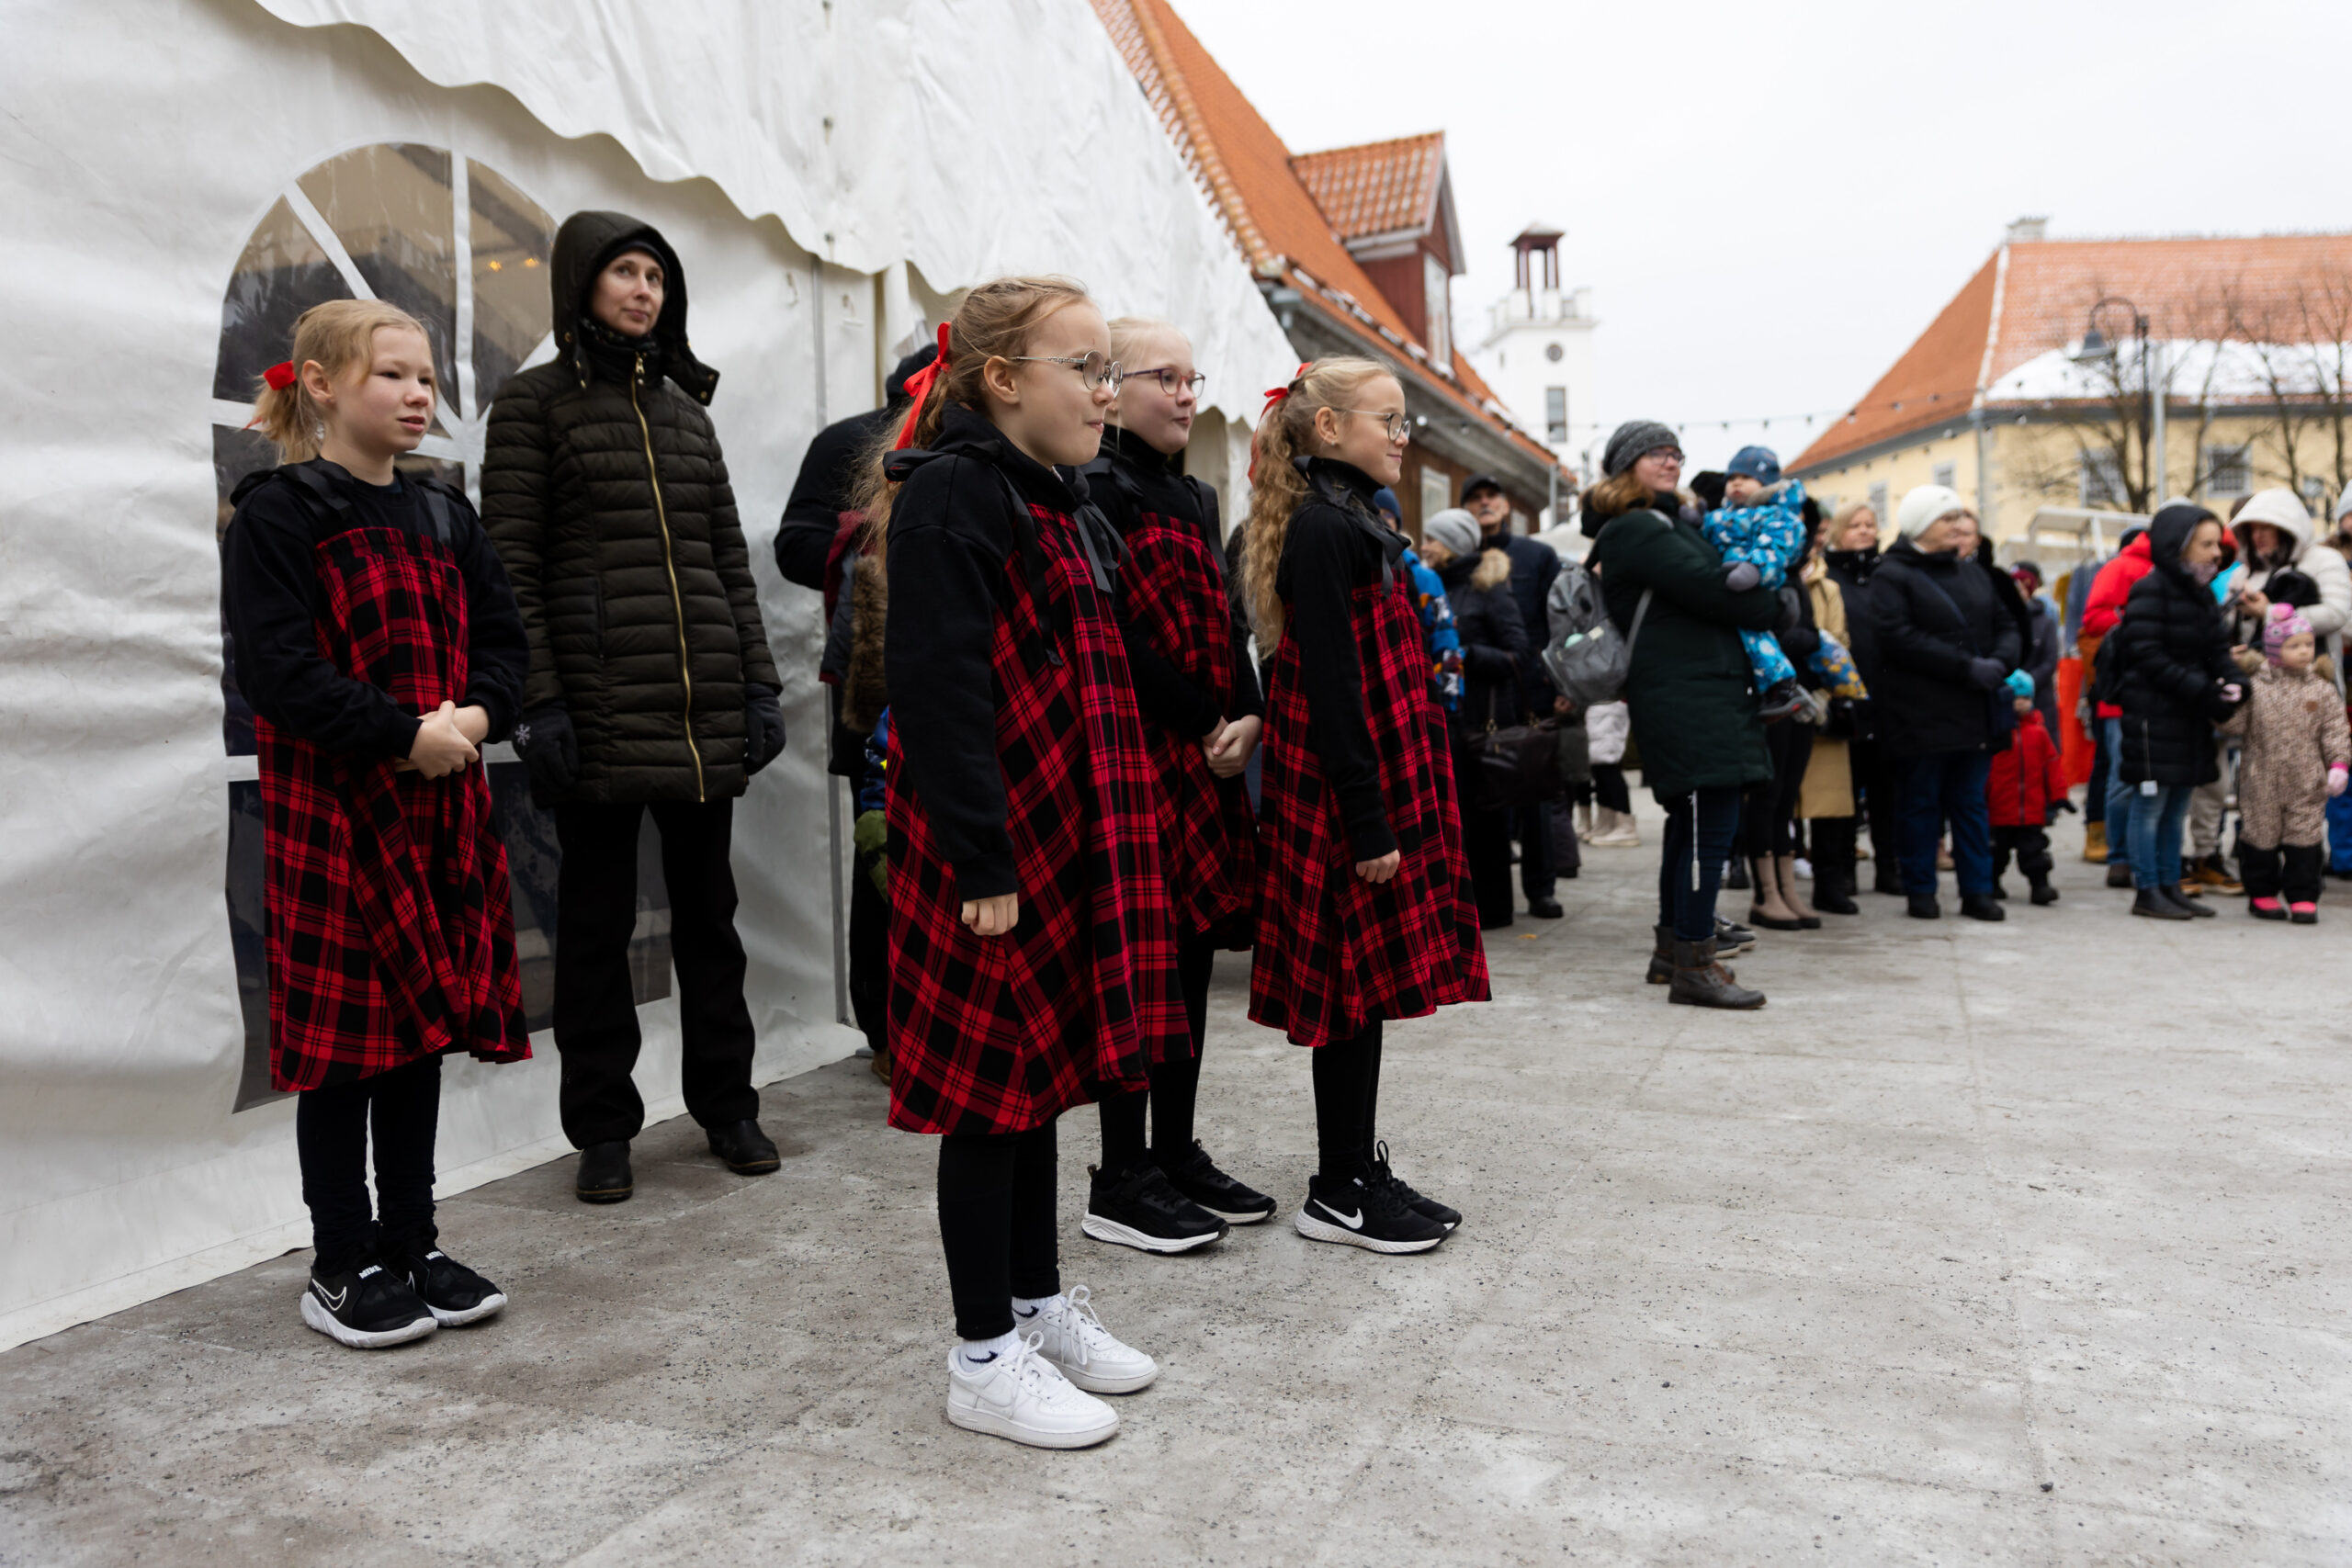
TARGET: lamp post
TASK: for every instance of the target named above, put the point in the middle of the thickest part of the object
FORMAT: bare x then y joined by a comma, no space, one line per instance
2096,348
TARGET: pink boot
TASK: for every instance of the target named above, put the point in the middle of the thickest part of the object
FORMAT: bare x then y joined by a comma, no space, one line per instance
2304,914
2268,909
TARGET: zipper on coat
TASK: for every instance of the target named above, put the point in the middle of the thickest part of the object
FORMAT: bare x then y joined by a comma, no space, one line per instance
669,565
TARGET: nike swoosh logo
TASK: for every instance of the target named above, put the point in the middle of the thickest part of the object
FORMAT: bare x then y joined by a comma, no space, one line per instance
334,1303
1354,1222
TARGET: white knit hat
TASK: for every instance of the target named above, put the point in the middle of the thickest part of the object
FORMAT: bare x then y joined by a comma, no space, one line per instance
1923,507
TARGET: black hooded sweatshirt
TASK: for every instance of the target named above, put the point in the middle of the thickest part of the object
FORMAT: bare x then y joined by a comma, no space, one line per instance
606,493
827,482
2171,658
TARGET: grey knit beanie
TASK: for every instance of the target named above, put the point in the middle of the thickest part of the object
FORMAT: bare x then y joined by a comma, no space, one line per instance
1631,441
1456,530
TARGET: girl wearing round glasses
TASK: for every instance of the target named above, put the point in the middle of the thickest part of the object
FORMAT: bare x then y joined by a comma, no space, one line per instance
1366,911
1198,690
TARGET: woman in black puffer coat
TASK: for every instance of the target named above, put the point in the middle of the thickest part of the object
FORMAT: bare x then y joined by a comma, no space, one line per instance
1944,644
1494,650
2174,679
651,683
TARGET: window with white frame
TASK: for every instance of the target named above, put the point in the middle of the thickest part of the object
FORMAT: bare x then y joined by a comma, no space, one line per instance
1944,474
1555,414
2229,470
1437,301
1878,504
1437,491
2101,482
2315,495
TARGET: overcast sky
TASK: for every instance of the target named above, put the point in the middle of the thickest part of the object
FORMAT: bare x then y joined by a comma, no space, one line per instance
1769,202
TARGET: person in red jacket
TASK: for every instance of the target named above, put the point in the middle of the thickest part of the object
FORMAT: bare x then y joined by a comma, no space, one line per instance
2101,611
2026,787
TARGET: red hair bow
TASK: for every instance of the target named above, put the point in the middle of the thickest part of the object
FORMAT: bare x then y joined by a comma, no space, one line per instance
1275,396
279,376
919,388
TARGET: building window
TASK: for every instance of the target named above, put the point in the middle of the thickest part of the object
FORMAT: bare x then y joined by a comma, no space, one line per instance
2102,480
1437,491
2229,470
2315,495
1555,415
1943,475
1437,301
1878,505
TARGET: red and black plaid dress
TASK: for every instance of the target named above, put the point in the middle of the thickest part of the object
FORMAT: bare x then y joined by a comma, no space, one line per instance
390,926
1002,1034
1335,951
1174,589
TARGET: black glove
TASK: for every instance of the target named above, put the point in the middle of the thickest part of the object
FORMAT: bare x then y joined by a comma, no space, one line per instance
548,748
1988,672
763,727
1742,577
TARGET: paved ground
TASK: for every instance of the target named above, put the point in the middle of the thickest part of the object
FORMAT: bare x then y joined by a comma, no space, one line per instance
2019,1243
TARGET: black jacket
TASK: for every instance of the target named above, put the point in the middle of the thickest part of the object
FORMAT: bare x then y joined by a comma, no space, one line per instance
1130,478
1932,614
951,538
606,491
1533,565
2171,657
1337,544
827,485
1852,571
1494,639
1688,691
270,590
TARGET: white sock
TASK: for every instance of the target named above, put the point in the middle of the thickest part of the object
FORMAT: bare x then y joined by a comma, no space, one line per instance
1026,1307
978,1353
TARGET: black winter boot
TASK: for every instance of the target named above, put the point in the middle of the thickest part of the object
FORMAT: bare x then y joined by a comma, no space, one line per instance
1924,908
1701,982
604,1175
2042,892
1662,956
1982,907
1833,866
2151,904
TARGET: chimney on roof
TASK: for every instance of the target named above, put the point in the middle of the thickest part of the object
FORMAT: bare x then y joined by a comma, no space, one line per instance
2027,229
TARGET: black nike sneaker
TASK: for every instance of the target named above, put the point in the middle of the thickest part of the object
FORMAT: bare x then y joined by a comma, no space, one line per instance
1365,1215
1428,1208
367,1308
1140,1210
1194,1175
454,1294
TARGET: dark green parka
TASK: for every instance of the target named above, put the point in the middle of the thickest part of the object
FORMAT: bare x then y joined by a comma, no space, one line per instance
1689,693
605,489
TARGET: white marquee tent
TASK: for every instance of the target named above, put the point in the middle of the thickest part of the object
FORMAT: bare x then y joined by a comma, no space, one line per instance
181,177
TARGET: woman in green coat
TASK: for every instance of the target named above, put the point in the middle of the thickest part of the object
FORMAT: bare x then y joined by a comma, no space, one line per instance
1693,707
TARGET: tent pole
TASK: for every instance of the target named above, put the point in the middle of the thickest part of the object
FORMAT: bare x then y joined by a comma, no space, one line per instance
834,786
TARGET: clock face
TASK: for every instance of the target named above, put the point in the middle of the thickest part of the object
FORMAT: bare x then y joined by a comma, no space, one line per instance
1551,351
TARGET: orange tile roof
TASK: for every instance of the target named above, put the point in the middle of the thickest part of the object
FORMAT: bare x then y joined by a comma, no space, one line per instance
1248,174
2034,295
1377,188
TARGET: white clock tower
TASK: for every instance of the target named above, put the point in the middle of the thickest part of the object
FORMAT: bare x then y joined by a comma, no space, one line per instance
1537,354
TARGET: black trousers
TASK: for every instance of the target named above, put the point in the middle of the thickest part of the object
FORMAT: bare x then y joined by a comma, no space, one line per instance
1347,1103
996,1225
2291,872
1768,816
403,1108
2095,800
2032,847
595,1008
1175,1086
1531,825
1608,788
1698,828
1879,784
1485,844
869,956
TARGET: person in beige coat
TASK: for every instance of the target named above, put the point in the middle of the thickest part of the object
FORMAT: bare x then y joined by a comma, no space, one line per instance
1826,799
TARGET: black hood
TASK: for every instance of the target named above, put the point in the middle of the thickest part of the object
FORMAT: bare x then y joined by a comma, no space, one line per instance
2168,535
585,245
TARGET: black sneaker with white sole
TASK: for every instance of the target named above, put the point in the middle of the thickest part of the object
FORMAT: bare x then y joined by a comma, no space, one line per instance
1139,1208
1194,1175
1359,1214
1428,1208
367,1308
452,1292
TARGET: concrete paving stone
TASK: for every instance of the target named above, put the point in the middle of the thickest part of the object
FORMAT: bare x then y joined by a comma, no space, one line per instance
1966,1210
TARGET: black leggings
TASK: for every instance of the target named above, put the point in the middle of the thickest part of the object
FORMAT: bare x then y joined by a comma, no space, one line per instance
1701,825
996,1225
1609,789
1175,1086
1768,816
1347,1099
331,1129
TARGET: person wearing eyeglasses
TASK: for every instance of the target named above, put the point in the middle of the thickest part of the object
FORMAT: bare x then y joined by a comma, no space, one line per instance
1198,692
1032,959
1367,912
1687,690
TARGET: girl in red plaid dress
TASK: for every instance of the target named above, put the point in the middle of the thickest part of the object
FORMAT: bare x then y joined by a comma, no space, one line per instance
1366,912
1188,645
374,633
1031,953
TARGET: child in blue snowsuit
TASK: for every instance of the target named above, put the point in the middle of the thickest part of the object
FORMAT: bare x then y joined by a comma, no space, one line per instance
1759,532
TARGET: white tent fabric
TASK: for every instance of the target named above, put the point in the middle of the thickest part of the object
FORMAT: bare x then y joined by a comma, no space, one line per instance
124,1170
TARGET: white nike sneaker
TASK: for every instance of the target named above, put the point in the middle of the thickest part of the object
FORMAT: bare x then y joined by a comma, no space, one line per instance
1025,1398
1073,1339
